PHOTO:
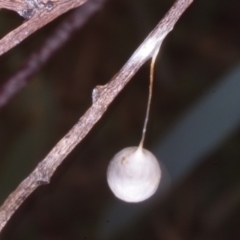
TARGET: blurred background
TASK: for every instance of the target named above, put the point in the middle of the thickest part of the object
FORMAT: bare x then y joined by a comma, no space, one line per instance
193,128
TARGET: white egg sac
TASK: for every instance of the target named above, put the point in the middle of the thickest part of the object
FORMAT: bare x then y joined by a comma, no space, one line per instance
133,174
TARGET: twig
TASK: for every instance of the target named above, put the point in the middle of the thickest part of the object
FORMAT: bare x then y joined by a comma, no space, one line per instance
38,17
102,97
37,59
14,5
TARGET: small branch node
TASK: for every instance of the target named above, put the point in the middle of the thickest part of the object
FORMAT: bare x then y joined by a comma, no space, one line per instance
27,13
41,175
97,91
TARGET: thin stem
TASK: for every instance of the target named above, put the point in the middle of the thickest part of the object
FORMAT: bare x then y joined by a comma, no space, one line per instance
153,61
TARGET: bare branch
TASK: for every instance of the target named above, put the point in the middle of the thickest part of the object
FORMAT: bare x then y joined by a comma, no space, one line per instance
102,97
38,17
37,59
14,5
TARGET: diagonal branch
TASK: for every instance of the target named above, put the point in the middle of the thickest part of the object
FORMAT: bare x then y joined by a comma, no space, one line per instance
37,59
102,97
38,17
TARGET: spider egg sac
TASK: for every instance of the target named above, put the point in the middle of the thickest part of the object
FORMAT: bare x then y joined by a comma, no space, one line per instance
133,174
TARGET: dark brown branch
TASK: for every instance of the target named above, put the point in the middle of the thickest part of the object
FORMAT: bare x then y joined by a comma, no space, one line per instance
39,17
102,97
60,36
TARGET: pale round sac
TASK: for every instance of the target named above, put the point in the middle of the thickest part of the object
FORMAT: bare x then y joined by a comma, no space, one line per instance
133,174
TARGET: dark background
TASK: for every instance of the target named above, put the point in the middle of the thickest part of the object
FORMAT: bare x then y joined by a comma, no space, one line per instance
193,128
